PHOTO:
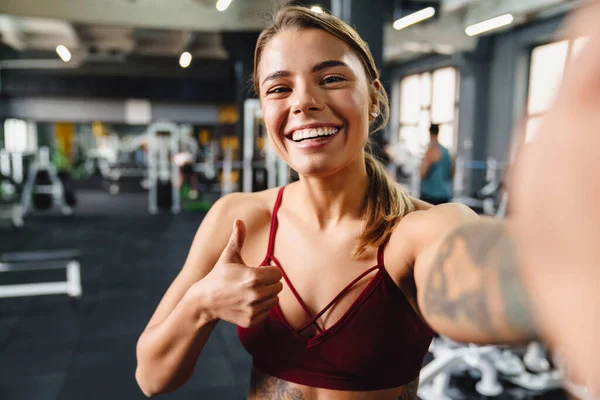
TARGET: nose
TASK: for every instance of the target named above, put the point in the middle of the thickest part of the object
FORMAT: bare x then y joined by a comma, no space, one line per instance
306,100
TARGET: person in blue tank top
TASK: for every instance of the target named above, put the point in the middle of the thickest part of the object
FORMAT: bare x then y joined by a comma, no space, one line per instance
437,170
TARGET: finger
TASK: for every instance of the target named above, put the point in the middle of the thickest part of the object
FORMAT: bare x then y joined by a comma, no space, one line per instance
267,275
268,291
261,316
233,251
266,305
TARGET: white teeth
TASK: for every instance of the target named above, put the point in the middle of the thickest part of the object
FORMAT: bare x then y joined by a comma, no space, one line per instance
313,133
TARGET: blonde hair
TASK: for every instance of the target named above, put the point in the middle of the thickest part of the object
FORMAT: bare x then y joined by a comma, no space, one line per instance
386,203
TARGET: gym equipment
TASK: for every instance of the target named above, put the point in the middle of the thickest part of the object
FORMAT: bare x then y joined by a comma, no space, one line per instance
44,188
10,206
257,164
43,260
10,193
493,364
487,199
125,170
163,140
11,165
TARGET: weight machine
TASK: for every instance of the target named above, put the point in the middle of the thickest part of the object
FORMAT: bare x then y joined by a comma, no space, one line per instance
44,188
163,143
260,167
10,190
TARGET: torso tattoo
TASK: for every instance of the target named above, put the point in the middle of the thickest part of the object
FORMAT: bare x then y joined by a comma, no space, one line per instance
410,391
266,387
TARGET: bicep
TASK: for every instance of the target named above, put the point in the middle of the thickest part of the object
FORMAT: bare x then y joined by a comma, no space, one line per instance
210,240
468,287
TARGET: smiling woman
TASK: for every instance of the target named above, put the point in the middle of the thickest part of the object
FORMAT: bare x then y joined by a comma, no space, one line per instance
333,311
339,74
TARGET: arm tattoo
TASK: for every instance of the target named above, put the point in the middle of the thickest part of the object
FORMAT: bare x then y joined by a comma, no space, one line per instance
265,387
410,391
474,262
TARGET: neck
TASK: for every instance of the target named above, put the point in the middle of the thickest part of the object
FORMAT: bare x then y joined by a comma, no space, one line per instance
327,200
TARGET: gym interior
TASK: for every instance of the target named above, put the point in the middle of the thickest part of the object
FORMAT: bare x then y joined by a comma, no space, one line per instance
122,122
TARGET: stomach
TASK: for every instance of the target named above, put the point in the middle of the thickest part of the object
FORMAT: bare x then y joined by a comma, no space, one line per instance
267,387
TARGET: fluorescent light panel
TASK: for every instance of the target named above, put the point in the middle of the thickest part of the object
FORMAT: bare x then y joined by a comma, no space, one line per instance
63,53
414,18
223,4
490,24
185,60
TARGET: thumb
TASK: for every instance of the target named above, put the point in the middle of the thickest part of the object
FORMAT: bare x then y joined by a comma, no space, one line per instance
233,251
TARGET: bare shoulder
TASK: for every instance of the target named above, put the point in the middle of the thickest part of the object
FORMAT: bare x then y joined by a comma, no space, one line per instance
429,223
252,208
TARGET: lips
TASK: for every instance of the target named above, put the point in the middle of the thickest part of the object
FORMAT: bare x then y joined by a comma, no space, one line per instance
315,143
307,134
312,131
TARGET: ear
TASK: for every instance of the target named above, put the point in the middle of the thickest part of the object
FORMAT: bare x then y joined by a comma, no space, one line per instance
374,89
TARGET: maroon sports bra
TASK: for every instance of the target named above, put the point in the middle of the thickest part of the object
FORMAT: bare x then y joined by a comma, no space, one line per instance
379,343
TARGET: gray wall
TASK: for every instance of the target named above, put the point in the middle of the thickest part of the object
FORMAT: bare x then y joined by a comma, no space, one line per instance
87,110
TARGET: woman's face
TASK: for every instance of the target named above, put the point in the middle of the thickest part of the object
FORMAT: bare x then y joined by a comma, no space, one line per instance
315,100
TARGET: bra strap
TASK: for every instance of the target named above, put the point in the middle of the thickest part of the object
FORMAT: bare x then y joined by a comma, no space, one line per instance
274,224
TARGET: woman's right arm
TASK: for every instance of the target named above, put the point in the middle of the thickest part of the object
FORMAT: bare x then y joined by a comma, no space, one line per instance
170,345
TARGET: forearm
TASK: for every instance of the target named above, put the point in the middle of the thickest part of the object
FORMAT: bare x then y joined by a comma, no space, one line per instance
167,352
472,290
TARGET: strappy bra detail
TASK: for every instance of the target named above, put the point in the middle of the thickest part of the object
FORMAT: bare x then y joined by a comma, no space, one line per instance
378,343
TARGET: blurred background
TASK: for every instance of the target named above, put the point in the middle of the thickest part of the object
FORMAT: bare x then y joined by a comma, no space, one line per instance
123,121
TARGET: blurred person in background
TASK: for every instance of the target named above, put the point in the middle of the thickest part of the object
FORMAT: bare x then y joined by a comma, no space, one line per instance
437,170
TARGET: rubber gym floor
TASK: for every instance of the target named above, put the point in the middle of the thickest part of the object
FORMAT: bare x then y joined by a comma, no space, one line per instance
54,348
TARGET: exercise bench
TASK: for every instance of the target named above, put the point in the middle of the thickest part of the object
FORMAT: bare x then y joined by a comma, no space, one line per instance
43,260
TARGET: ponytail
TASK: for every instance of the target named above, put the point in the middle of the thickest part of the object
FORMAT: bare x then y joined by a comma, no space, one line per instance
385,205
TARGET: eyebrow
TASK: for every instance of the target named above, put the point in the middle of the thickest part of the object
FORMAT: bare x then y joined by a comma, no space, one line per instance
318,67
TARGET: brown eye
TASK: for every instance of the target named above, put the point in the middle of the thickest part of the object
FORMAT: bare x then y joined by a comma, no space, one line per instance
333,79
278,89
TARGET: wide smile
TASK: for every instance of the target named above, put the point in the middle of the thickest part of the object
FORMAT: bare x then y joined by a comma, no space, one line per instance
313,134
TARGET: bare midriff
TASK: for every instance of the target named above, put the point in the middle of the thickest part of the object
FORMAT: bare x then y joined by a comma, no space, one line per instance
266,387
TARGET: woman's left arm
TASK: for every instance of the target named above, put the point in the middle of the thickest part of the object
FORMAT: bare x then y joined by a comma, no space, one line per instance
468,287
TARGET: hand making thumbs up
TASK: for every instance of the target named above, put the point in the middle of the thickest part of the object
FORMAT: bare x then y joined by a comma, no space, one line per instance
236,292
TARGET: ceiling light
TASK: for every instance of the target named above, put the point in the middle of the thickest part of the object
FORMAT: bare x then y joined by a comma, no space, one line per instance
63,53
223,4
316,9
185,60
489,25
413,18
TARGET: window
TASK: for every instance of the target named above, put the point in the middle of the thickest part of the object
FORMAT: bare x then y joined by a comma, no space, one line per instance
427,98
548,63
